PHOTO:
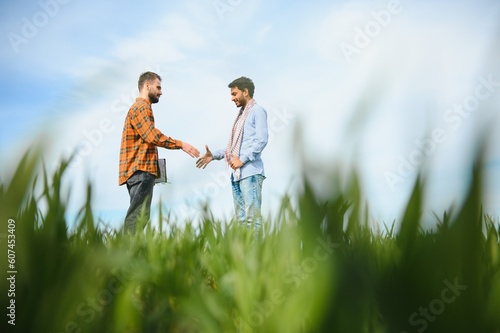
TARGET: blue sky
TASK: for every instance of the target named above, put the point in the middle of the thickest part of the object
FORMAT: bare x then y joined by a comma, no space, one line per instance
372,84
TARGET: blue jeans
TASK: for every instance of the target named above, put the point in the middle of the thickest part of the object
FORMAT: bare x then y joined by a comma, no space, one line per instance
140,188
247,196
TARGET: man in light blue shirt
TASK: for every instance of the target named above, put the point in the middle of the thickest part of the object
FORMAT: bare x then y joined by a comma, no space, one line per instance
246,142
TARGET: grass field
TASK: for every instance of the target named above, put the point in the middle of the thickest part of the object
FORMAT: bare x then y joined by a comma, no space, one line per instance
319,268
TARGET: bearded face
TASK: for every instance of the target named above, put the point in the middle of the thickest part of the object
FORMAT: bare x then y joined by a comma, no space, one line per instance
154,91
153,97
240,98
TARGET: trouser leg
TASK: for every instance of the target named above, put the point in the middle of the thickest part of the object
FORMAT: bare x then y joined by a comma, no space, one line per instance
140,188
251,191
239,204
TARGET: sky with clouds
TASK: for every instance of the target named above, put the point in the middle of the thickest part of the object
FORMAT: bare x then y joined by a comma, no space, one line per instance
383,87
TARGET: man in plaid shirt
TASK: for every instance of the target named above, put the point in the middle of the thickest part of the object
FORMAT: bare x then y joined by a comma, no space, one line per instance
139,152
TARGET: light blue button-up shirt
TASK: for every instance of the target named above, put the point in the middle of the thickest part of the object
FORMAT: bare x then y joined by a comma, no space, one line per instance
253,142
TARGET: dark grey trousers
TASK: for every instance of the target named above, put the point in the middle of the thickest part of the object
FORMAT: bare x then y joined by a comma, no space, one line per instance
140,188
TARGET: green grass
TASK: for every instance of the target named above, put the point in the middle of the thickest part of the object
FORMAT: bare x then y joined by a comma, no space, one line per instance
319,268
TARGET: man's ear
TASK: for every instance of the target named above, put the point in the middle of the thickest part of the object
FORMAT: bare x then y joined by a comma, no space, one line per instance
245,92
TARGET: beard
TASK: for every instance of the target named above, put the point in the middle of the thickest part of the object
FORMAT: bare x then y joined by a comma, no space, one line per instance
153,98
241,103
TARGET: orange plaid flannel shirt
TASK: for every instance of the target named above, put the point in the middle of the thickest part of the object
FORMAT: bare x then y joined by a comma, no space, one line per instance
140,138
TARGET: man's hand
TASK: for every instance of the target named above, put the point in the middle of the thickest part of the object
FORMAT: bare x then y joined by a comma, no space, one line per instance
235,162
203,161
190,150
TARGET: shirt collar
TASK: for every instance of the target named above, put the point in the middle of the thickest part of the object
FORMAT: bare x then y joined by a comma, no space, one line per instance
142,99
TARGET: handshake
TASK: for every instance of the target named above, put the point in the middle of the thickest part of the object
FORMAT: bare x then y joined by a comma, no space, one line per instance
204,160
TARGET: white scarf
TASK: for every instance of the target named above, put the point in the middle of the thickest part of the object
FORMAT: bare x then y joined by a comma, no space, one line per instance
234,142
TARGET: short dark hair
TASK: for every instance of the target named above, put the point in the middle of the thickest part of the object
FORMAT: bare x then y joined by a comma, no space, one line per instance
147,77
243,83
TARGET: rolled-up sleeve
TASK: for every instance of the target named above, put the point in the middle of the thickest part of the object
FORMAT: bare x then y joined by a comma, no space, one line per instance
219,154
